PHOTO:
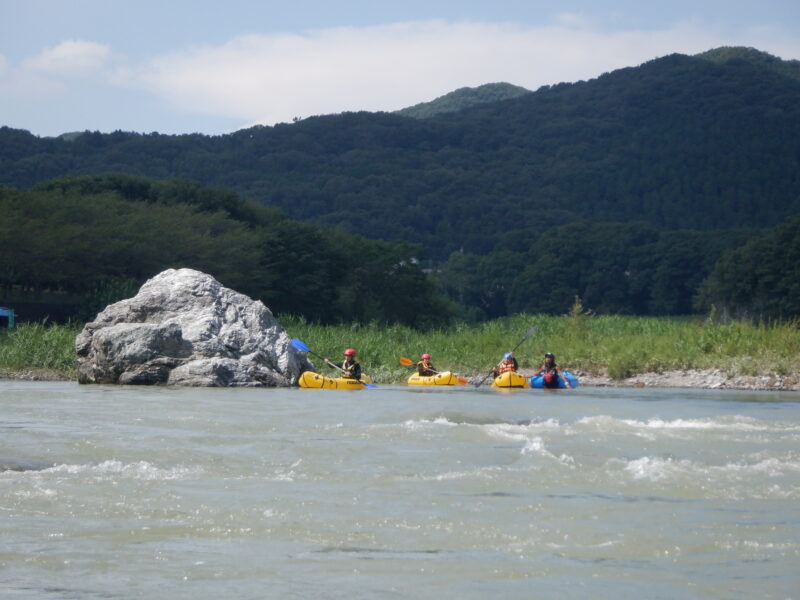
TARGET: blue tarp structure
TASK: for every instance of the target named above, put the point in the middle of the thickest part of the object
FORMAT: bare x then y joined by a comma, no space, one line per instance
9,314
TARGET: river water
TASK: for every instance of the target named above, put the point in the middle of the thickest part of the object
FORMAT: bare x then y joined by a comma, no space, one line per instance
142,492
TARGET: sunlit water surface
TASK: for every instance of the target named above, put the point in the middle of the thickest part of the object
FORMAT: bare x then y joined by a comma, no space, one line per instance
134,492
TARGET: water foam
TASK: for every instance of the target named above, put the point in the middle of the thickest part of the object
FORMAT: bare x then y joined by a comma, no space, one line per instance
653,468
657,469
288,474
426,423
734,424
140,470
480,473
536,446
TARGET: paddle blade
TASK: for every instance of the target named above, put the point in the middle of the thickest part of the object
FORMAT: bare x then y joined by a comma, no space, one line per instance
407,362
299,345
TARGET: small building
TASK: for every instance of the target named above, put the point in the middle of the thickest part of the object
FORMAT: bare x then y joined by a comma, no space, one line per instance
7,317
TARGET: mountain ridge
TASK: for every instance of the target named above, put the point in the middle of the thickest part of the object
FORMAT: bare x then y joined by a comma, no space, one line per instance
464,97
679,142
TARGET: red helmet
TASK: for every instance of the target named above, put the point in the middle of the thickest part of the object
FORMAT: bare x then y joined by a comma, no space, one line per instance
349,352
426,356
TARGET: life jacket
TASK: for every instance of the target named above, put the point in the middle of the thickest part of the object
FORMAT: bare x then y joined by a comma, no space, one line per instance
425,368
550,376
506,367
348,368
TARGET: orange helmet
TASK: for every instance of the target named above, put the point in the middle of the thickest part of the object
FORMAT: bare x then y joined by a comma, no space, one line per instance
426,356
349,352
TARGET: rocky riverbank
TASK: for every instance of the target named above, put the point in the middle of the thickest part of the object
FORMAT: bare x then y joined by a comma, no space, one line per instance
696,378
35,375
713,379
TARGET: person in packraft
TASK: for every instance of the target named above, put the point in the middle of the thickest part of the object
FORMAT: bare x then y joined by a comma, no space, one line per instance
551,373
349,366
508,364
425,367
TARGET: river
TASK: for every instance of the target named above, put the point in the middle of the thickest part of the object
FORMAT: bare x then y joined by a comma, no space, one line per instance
152,492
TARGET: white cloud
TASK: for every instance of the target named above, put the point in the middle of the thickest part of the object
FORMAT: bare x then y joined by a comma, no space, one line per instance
56,71
22,85
70,58
271,78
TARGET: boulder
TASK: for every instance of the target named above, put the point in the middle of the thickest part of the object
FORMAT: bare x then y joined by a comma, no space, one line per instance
185,328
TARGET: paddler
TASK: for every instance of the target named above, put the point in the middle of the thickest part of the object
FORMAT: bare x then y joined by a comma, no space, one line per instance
349,366
551,372
424,366
508,364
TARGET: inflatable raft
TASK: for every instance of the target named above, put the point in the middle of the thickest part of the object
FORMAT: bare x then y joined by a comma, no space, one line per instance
538,381
443,378
510,379
309,379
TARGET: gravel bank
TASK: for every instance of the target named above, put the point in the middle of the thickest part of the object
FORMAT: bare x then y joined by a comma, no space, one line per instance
712,379
35,375
695,378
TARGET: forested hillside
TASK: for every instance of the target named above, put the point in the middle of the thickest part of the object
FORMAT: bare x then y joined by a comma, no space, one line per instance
463,98
627,268
727,54
679,142
624,190
81,243
760,278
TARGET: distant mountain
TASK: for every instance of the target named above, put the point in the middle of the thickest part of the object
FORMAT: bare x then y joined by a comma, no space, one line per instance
681,142
727,54
71,135
462,98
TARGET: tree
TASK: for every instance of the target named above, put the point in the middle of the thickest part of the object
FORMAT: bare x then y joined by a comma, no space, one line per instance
760,279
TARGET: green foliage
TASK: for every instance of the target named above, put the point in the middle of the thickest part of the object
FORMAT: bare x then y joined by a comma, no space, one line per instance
578,317
463,98
106,291
631,145
38,346
739,54
624,190
759,280
612,267
619,346
101,237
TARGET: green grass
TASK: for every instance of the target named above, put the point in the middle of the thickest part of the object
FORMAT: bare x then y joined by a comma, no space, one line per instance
618,346
31,346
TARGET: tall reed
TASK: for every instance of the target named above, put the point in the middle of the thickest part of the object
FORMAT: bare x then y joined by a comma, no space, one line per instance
620,346
39,346
616,345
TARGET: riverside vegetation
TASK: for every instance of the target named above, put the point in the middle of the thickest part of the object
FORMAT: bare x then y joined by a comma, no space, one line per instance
616,346
39,350
624,190
655,190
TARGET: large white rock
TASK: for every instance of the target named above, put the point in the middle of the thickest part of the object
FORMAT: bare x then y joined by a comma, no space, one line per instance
185,328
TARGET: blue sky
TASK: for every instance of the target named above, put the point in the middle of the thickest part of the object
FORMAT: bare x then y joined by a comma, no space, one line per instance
182,66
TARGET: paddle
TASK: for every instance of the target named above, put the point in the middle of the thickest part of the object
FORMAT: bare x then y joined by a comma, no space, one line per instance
299,345
407,362
528,334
